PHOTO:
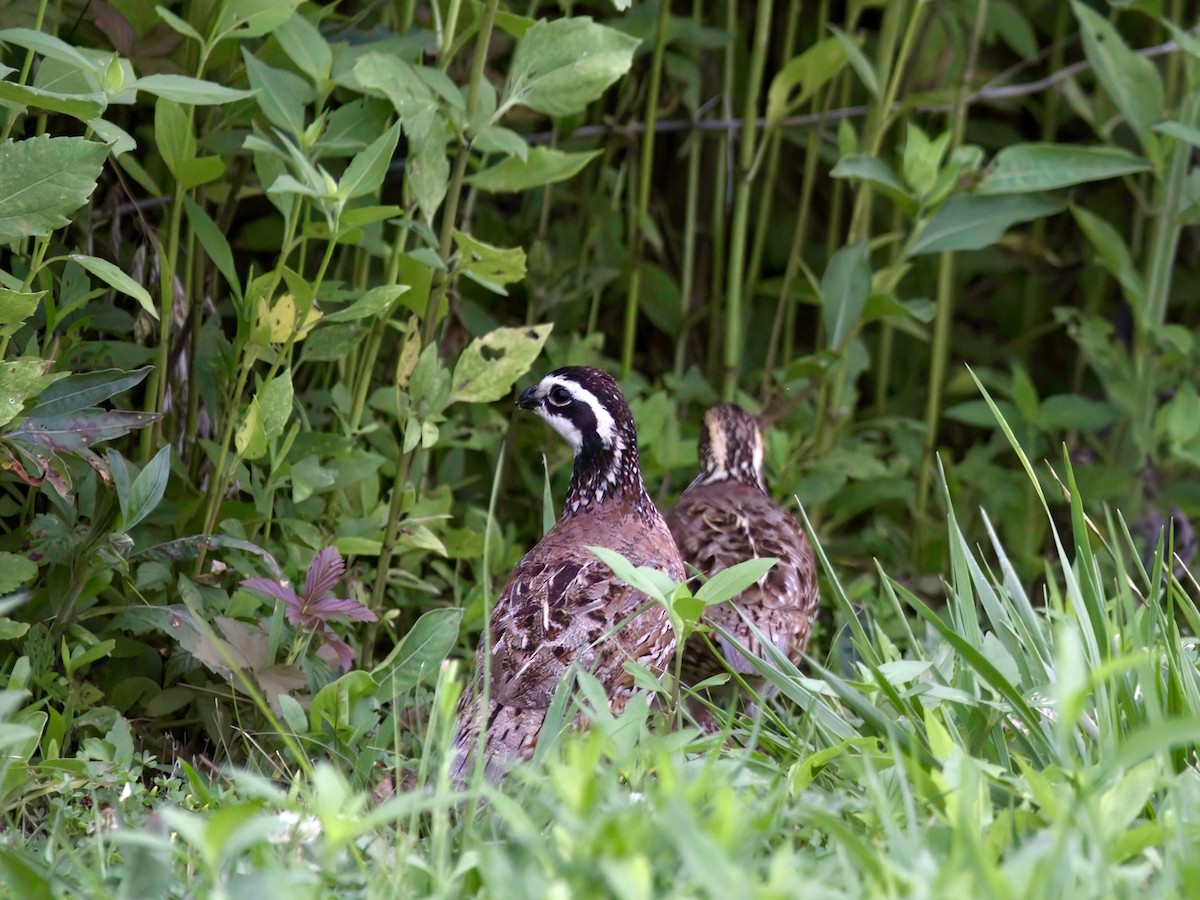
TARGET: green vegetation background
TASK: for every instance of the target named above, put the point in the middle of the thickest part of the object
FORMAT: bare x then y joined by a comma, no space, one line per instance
270,271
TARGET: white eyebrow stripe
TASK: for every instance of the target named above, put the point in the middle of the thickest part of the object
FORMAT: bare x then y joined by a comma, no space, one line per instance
606,427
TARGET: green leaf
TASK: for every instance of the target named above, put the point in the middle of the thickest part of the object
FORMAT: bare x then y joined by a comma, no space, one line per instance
79,106
1024,168
504,141
304,44
1130,80
729,583
49,46
1113,253
215,244
373,303
85,390
20,379
876,172
275,401
15,571
147,489
490,365
845,287
43,180
561,66
250,440
858,61
189,91
967,222
253,18
1060,412
15,308
490,265
419,654
173,134
923,159
542,165
281,95
178,24
796,83
116,278
369,167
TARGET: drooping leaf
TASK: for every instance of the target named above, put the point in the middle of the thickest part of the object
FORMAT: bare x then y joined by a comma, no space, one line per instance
845,287
80,430
967,222
373,303
490,365
1024,168
876,172
1130,80
561,66
20,379
1113,253
542,165
78,106
215,244
43,180
116,278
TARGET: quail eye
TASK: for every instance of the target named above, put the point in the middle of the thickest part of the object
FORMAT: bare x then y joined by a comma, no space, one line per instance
560,396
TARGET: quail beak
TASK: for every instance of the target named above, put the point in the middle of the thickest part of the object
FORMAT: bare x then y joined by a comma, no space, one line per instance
528,399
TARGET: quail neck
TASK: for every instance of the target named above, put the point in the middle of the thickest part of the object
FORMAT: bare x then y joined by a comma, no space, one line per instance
586,407
730,448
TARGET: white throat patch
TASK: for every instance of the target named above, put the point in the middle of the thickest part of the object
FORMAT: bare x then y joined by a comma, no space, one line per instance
606,428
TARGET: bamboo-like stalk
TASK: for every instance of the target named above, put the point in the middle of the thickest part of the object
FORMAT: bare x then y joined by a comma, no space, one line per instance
716,292
944,316
645,170
734,306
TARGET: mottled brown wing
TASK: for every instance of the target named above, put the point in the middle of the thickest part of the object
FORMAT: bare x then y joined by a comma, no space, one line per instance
562,605
719,525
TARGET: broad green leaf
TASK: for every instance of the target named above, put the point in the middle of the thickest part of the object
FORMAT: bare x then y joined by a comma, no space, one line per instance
845,287
1130,80
20,379
1060,412
250,440
966,222
1113,253
253,18
490,265
189,91
173,134
802,76
373,303
729,583
201,170
49,46
115,277
490,365
281,95
121,141
43,180
1024,168
1189,134
561,66
367,170
178,24
79,106
275,401
215,244
85,390
15,308
542,165
147,489
874,171
923,158
419,654
504,141
304,44
78,431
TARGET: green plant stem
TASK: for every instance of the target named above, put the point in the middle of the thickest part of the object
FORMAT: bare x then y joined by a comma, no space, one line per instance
454,192
940,353
735,278
645,170
887,338
720,211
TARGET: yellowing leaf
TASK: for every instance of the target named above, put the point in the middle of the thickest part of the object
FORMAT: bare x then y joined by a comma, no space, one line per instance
282,319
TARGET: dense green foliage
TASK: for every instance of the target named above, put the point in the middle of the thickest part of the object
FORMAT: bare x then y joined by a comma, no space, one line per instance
269,272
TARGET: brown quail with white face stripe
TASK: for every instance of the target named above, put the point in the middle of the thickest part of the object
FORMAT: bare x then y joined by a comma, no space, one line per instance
725,517
561,604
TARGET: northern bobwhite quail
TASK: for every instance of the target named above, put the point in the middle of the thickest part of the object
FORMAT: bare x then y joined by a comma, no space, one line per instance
561,604
724,517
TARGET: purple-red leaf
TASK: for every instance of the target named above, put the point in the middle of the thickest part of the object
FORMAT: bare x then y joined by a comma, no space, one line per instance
324,572
339,608
335,651
274,589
